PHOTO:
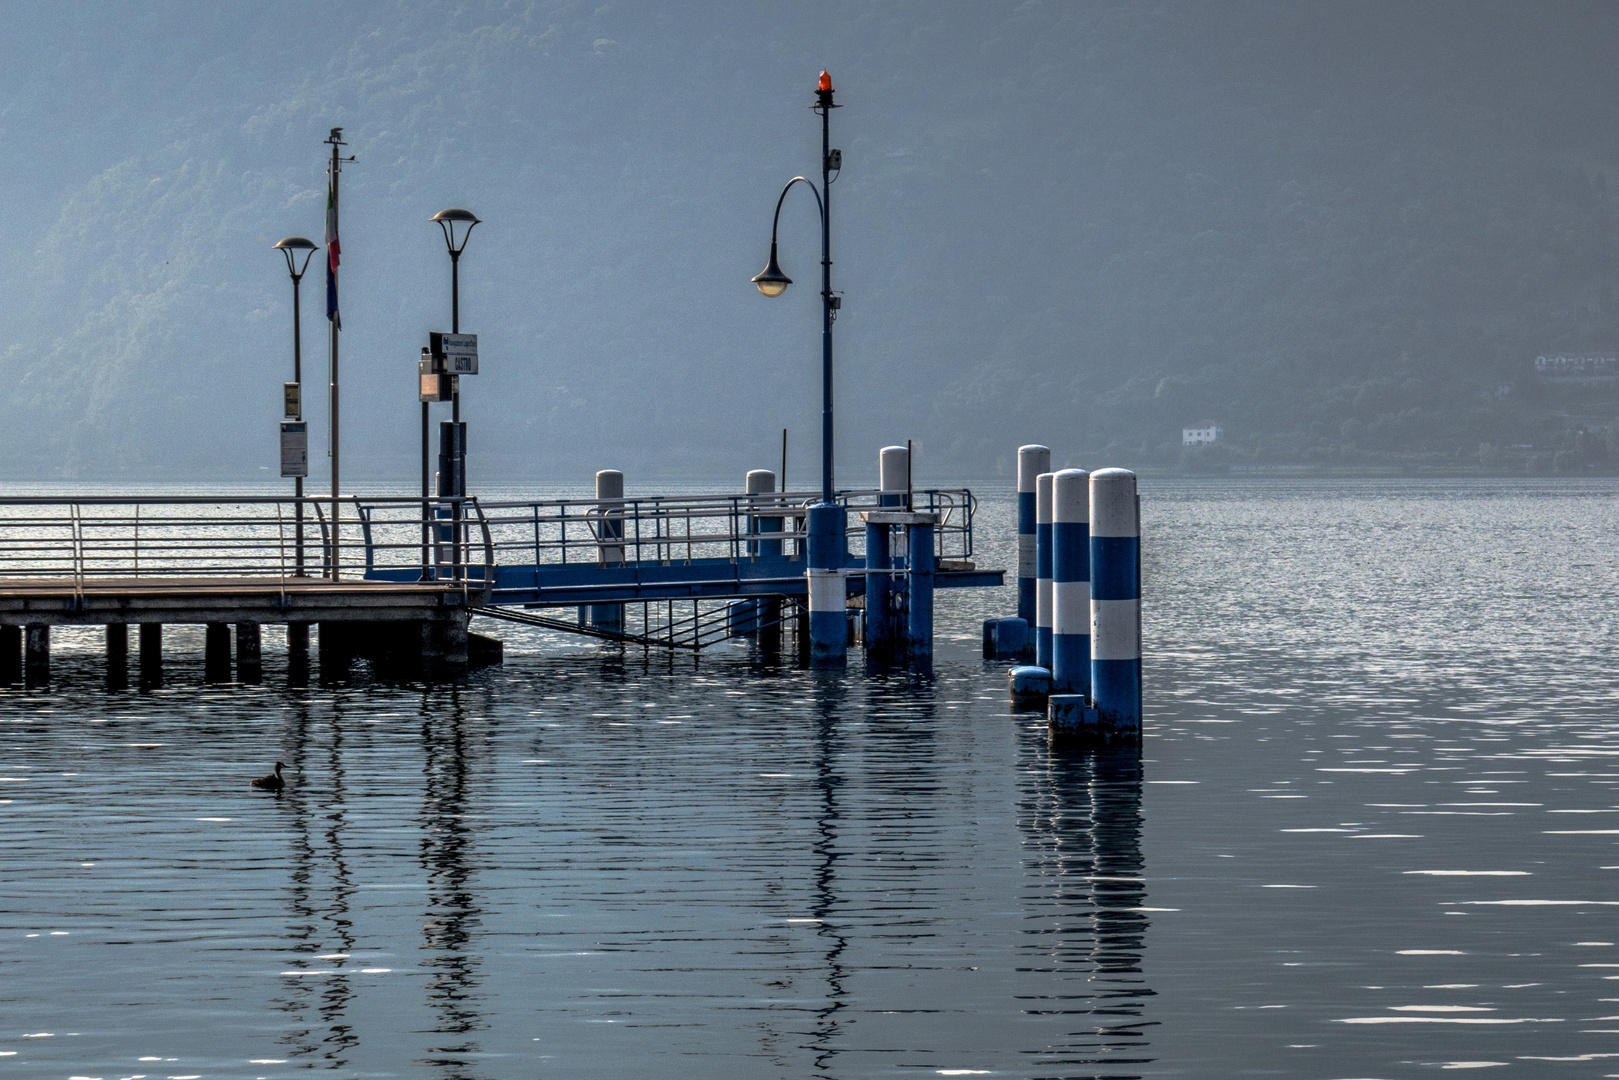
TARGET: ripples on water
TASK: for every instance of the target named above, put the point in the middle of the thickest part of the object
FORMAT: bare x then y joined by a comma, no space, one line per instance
1374,834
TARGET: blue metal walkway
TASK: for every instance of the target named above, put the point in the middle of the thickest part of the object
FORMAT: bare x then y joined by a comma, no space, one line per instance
569,552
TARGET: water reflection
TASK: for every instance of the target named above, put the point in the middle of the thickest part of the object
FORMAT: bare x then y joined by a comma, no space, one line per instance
320,895
830,692
1081,817
453,912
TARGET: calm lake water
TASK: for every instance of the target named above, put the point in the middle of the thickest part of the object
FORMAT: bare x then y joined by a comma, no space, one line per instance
1374,833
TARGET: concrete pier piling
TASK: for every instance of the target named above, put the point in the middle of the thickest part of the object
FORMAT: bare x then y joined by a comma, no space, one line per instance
1042,570
10,655
609,528
216,652
1032,460
37,655
249,653
828,591
297,654
1071,583
151,654
117,656
1116,604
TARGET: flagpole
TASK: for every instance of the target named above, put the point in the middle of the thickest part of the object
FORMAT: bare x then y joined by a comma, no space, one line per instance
334,246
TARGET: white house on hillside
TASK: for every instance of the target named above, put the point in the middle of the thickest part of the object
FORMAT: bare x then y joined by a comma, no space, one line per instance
1197,436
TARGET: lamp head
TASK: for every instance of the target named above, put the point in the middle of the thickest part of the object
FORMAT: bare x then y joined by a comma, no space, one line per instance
448,220
771,281
293,244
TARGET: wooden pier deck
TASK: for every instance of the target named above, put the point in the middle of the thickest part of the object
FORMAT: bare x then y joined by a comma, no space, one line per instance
125,600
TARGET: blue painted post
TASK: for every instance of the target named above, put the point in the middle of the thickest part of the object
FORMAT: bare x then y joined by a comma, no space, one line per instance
828,593
879,590
919,631
1116,604
1032,460
1071,582
609,527
1042,570
893,472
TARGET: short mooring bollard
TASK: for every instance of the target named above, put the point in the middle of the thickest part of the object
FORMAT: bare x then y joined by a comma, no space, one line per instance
1042,570
828,593
1032,460
1116,604
1071,582
1029,685
1071,719
1006,639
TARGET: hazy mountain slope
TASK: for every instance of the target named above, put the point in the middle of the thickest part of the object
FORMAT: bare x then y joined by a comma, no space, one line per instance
1337,230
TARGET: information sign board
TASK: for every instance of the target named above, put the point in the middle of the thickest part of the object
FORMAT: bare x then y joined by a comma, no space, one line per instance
292,400
457,354
294,448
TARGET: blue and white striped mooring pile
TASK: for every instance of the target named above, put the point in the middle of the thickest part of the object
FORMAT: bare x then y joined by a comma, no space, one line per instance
1079,568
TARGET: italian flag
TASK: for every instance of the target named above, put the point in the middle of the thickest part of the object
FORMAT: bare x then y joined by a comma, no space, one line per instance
333,257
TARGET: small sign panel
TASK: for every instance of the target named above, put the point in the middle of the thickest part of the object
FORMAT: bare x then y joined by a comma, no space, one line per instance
294,448
457,353
292,400
431,383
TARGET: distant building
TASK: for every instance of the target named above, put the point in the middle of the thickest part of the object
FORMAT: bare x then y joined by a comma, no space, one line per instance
1580,369
1199,436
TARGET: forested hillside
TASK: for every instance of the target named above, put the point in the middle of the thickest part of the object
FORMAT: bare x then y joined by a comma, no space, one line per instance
1341,232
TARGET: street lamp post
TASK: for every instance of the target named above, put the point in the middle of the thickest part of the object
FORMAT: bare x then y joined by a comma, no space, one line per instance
289,247
828,599
453,436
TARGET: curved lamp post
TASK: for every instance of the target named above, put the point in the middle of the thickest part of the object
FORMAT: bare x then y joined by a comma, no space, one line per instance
825,522
290,247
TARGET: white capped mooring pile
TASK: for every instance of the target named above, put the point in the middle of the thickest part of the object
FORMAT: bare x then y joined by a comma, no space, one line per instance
1084,590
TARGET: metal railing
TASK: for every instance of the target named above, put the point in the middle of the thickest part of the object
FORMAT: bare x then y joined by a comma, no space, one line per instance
165,537
443,539
687,528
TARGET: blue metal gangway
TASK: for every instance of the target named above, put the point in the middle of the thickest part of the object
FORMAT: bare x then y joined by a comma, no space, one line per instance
571,552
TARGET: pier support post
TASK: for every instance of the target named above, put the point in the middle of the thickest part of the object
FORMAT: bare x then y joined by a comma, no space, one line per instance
828,593
297,654
151,636
1116,604
216,652
1032,460
117,656
336,652
37,662
879,591
1042,570
763,482
10,655
919,557
609,527
1071,583
444,647
249,653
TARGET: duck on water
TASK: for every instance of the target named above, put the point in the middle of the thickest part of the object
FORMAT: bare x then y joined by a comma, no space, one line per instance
272,782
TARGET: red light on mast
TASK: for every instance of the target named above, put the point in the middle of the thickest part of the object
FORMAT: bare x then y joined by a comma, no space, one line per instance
826,83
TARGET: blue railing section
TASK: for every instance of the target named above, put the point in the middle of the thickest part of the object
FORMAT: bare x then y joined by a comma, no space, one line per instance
573,551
